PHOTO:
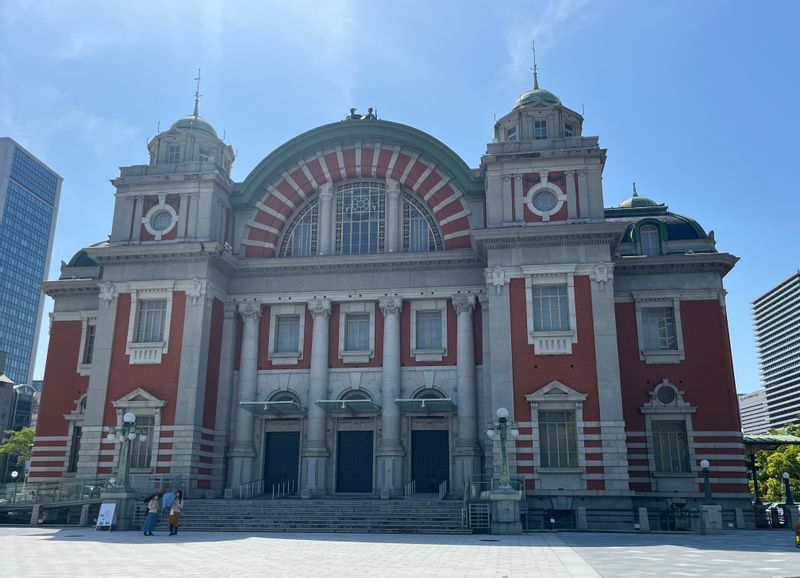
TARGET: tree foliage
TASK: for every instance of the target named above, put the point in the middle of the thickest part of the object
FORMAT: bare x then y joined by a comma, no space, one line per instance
19,443
770,465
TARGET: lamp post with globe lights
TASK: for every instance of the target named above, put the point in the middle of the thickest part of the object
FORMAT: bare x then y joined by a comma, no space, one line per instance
707,499
14,476
125,435
501,430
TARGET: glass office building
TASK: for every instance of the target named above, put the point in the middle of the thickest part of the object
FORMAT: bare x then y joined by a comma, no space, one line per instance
29,195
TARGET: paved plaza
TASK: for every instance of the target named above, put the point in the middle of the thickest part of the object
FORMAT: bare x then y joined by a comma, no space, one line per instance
83,552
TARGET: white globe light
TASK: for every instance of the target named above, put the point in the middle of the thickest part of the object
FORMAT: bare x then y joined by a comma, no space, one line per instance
502,413
132,436
129,417
14,475
515,433
705,464
490,434
142,438
110,437
785,475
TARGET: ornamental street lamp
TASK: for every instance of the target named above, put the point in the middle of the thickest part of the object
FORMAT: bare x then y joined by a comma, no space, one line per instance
705,465
502,429
788,488
14,475
125,435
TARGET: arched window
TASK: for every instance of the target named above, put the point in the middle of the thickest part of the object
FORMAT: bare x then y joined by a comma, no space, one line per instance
360,226
649,240
301,239
360,218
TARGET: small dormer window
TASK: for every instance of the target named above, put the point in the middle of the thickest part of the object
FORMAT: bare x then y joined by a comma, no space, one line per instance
511,134
649,240
539,129
174,154
569,130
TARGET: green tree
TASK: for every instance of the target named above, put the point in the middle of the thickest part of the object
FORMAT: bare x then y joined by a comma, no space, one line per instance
19,443
770,465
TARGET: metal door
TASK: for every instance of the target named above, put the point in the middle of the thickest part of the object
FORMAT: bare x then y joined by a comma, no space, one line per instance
430,459
354,462
282,459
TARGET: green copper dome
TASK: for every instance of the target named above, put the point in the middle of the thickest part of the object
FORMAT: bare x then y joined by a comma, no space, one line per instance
637,202
197,123
537,95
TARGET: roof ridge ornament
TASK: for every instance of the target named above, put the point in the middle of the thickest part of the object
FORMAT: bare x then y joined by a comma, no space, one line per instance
197,95
535,68
635,194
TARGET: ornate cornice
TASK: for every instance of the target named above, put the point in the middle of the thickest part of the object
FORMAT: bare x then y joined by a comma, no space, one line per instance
719,263
66,287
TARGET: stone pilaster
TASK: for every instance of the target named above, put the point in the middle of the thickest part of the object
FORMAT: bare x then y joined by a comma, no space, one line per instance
393,217
243,452
467,452
314,477
390,453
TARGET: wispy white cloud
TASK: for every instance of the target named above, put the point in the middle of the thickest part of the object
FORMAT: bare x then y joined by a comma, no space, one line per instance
547,22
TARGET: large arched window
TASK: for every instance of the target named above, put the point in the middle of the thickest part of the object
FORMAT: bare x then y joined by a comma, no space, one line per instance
360,224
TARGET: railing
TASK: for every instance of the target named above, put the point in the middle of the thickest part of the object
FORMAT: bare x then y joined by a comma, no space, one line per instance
52,492
442,490
147,484
249,490
411,488
283,489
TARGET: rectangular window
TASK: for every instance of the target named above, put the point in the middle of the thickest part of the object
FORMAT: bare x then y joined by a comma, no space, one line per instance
141,448
419,237
539,129
88,344
287,334
558,440
150,319
174,154
74,449
658,327
511,134
550,308
356,332
670,446
429,330
301,241
205,155
569,130
649,239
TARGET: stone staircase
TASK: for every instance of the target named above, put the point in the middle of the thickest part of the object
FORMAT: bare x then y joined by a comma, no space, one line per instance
320,515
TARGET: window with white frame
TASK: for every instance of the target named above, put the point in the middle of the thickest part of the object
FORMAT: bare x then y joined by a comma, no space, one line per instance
174,154
141,446
429,329
511,134
88,343
149,321
670,446
301,239
658,324
360,222
356,331
539,130
649,240
558,438
205,155
550,302
86,353
420,232
286,331
569,130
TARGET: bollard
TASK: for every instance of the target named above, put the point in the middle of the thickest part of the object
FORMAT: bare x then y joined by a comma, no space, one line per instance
644,520
84,515
35,515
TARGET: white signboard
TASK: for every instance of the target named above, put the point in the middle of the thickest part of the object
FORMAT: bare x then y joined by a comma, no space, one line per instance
106,516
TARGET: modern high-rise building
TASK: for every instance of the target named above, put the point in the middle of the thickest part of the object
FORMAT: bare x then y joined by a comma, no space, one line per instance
776,316
753,412
29,195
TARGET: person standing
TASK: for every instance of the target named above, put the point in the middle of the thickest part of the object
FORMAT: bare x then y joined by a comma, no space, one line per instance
152,515
175,513
166,501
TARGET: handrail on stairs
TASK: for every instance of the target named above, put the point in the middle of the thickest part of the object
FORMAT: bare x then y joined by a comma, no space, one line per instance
411,488
442,490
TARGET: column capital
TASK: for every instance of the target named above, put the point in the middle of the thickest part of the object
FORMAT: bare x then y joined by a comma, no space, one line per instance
391,306
249,310
320,308
464,303
326,191
392,186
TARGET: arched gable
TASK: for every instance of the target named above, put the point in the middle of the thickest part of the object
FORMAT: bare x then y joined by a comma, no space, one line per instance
359,149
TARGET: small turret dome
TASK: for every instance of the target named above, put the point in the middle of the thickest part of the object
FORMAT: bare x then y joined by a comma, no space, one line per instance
637,202
537,95
195,122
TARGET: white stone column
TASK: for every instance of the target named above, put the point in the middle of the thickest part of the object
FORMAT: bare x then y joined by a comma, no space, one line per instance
315,453
183,216
467,452
390,452
324,216
572,197
393,216
242,451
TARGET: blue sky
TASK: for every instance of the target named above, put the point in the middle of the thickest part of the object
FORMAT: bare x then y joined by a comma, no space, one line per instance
695,101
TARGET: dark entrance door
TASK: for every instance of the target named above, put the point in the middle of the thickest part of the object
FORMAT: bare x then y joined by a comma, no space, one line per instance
430,459
281,463
354,462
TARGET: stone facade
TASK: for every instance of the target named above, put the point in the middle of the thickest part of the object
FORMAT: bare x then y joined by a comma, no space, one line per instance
349,318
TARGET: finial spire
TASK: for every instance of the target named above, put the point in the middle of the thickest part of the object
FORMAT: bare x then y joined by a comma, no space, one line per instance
535,68
635,194
197,95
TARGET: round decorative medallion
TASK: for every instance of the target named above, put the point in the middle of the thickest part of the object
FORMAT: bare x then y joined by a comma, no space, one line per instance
545,201
666,395
360,202
161,221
